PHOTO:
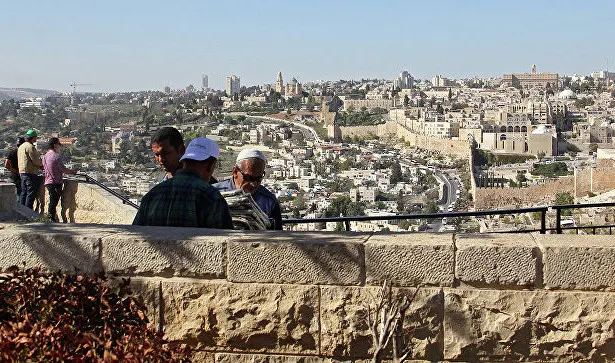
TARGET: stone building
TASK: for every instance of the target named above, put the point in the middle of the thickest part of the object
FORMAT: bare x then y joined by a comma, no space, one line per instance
532,80
279,84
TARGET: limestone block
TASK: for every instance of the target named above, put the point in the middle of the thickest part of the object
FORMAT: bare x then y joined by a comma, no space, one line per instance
262,358
575,262
345,332
148,289
578,262
50,246
309,258
497,259
217,315
201,356
166,251
7,197
501,325
410,259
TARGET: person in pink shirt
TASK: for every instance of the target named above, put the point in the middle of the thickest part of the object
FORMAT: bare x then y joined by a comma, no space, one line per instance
54,170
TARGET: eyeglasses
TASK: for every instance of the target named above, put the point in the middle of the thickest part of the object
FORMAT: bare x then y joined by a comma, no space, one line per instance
250,178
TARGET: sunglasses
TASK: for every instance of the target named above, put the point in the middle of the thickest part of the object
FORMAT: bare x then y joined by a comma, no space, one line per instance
250,178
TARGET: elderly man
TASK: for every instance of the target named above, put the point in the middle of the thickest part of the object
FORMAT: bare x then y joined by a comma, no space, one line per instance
248,173
168,147
187,199
30,165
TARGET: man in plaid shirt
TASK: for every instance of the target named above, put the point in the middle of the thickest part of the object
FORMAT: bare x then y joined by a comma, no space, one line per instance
187,199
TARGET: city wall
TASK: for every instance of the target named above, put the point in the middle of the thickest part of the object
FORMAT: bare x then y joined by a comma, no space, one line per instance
455,147
598,180
304,296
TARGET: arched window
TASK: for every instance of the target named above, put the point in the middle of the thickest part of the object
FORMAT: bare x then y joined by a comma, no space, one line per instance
510,129
502,128
517,129
524,129
502,137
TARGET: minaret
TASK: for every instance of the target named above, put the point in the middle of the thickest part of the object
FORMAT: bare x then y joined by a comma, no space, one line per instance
279,84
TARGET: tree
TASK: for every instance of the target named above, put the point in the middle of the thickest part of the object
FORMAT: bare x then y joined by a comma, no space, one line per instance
396,174
400,201
564,198
593,147
521,178
440,109
450,94
406,100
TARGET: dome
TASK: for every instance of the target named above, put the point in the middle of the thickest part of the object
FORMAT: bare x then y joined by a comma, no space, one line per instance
567,95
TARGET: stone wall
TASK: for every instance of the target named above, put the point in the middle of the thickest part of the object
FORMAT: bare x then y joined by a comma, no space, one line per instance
87,203
598,180
300,296
446,146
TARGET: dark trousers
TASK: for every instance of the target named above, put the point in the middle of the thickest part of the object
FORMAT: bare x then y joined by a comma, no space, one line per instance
16,179
55,192
29,189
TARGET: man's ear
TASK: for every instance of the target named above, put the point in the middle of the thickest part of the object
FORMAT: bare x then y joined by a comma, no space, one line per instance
211,167
182,149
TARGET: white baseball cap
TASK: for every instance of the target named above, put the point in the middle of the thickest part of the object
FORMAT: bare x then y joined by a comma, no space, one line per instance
201,149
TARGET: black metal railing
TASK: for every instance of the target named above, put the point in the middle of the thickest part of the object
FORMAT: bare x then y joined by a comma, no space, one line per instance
558,216
558,228
346,220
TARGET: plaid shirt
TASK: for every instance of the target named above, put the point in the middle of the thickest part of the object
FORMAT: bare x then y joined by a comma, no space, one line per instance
186,200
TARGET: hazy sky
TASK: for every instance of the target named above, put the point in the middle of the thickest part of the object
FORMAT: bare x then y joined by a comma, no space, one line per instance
138,45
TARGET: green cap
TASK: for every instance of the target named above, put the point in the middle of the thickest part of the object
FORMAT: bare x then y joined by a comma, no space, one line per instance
31,133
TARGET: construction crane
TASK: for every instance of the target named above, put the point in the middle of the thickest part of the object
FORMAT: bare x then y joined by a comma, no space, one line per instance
75,85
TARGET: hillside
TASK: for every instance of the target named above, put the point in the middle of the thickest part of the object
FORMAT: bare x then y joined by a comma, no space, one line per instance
24,93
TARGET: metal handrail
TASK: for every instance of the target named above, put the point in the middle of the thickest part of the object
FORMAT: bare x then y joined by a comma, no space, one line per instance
560,207
90,180
346,220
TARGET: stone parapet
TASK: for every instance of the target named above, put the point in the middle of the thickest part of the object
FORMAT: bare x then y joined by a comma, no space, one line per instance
305,297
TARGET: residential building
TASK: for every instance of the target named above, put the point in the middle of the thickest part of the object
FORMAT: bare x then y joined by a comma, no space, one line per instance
404,80
233,85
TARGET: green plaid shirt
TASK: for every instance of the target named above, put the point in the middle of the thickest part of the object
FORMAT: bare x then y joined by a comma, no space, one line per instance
186,200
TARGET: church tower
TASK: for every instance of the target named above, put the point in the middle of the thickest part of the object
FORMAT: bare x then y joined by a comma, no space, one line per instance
279,84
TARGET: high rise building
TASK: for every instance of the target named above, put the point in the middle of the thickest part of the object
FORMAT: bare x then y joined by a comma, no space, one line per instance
167,89
205,82
279,84
233,85
404,80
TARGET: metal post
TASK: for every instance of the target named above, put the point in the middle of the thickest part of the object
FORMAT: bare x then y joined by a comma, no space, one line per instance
543,221
347,224
558,220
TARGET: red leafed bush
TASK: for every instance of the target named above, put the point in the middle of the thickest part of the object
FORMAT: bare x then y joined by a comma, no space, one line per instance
61,317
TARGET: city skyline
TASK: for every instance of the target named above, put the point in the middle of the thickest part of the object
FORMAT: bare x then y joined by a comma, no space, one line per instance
117,46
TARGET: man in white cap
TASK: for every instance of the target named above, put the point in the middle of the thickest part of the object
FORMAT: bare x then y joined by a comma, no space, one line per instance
248,173
187,199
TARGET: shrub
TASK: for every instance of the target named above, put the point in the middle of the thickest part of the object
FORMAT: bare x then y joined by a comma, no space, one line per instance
61,317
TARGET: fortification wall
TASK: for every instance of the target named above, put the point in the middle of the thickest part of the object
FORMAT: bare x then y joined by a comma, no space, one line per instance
301,296
446,146
598,180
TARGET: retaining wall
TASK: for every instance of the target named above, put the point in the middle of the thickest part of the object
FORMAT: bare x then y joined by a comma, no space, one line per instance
299,296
